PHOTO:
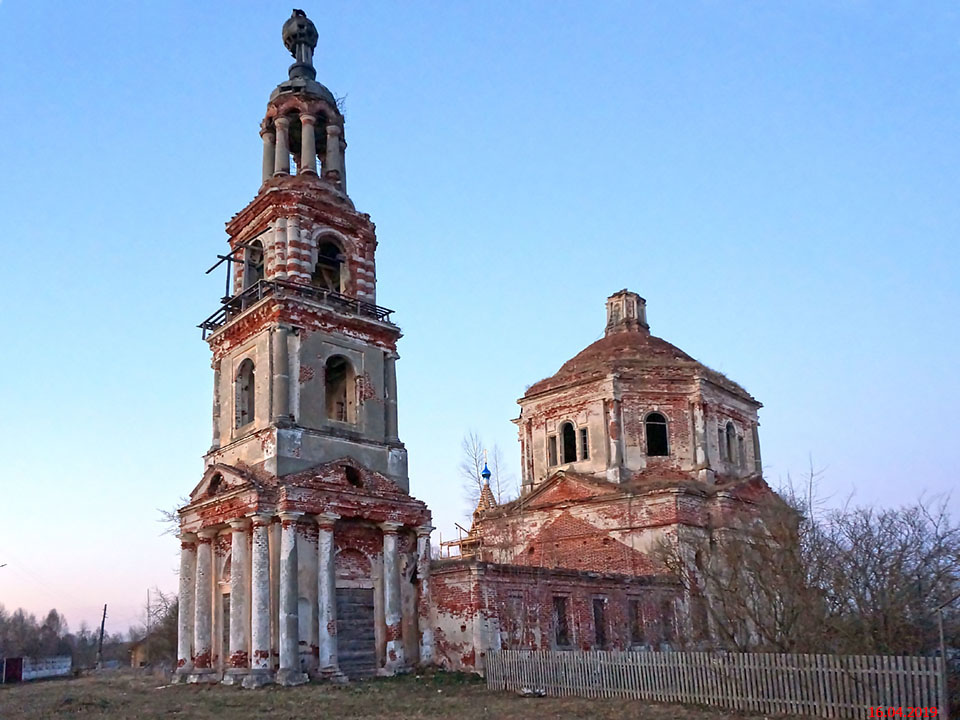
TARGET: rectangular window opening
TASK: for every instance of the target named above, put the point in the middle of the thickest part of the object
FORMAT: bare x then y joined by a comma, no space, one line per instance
561,627
667,621
600,622
636,622
552,450
584,444
514,621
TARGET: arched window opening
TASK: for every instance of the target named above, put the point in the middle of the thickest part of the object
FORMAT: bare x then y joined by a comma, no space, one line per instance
731,442
569,442
328,272
352,475
656,431
253,264
340,389
246,383
226,570
214,485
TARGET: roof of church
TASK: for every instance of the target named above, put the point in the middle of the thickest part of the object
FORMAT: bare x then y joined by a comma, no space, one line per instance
626,349
747,488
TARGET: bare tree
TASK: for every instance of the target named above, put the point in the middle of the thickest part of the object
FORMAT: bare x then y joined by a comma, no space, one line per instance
749,579
471,466
502,482
170,519
856,580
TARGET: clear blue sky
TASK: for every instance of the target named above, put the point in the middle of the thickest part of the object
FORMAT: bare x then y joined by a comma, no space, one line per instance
779,180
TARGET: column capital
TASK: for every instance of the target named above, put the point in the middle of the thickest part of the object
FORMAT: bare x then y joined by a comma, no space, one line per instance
282,122
260,518
290,516
334,130
238,524
390,527
424,530
308,118
268,133
207,534
326,519
187,537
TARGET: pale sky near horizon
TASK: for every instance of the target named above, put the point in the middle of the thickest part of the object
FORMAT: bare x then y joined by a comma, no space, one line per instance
778,180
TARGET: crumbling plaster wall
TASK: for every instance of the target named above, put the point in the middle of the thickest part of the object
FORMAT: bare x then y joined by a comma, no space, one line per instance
618,535
368,394
542,418
479,607
693,407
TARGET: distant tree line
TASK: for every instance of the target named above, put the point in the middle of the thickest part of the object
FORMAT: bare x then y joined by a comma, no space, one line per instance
23,635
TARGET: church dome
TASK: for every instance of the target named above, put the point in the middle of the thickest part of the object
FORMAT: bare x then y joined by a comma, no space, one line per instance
626,345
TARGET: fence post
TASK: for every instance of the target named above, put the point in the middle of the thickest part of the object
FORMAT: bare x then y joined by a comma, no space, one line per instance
944,711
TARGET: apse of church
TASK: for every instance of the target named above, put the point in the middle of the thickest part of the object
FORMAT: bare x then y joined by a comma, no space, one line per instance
302,553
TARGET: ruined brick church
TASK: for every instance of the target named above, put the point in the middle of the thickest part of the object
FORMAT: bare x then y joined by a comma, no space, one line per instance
303,553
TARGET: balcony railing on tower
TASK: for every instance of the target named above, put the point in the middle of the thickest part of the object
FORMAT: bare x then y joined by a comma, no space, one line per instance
235,305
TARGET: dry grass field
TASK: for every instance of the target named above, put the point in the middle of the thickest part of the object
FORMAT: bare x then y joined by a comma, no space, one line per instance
452,696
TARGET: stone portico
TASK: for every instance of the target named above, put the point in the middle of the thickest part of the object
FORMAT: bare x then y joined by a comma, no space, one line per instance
263,561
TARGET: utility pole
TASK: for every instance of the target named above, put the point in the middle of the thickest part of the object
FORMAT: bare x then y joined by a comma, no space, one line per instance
100,644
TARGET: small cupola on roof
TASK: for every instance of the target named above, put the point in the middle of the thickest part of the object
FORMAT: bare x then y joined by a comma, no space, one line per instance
300,38
626,311
303,126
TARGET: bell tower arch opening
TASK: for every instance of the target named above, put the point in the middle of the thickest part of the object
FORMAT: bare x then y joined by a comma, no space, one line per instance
253,264
328,272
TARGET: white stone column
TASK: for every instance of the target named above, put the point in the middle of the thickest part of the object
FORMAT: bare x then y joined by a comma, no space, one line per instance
332,161
203,609
327,595
423,608
260,670
188,580
238,664
391,598
390,395
308,144
281,164
289,672
269,153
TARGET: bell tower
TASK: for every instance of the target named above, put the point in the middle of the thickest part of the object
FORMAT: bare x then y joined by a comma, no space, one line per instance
304,359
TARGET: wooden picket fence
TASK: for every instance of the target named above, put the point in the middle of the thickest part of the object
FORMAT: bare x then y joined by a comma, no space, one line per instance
830,686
